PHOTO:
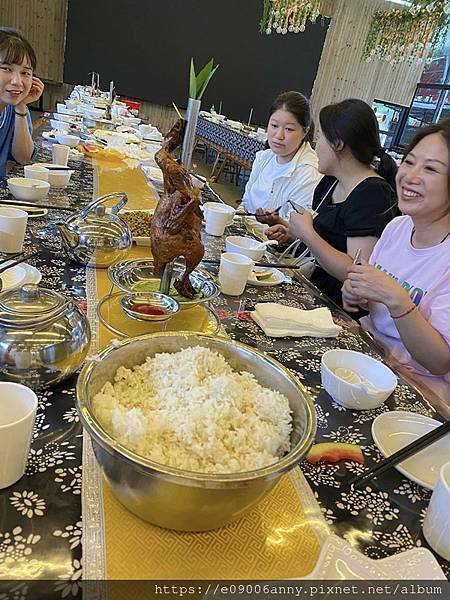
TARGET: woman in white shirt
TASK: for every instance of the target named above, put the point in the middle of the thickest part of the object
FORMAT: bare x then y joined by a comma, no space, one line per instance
284,176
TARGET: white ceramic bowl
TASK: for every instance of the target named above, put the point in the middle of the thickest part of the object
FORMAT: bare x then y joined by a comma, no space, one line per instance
59,179
60,126
65,118
245,245
28,189
63,110
357,396
36,172
68,140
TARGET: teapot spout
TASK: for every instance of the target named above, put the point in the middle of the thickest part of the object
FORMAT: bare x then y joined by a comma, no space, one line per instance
70,238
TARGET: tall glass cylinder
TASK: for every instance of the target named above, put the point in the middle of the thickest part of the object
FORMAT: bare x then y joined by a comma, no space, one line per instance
193,108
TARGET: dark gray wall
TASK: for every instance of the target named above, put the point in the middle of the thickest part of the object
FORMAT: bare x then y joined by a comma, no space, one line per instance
146,45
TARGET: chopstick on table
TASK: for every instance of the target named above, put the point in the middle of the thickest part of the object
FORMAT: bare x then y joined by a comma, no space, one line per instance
19,204
257,264
401,455
10,257
18,261
178,112
272,212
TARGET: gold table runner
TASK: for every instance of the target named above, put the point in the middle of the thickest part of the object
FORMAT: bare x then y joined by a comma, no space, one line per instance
273,541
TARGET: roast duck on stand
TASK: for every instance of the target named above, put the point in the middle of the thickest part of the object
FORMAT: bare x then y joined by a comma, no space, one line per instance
176,223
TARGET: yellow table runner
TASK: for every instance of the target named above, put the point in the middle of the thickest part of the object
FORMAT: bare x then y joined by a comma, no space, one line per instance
273,541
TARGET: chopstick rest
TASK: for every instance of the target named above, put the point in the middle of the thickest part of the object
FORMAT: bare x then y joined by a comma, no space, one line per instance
401,455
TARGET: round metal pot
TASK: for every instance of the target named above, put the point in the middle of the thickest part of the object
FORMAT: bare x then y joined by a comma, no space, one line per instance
44,337
174,498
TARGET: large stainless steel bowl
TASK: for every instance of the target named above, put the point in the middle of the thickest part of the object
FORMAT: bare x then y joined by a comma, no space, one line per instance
186,500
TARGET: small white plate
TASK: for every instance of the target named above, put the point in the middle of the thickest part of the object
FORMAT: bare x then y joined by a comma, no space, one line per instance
276,278
394,430
33,213
13,277
338,560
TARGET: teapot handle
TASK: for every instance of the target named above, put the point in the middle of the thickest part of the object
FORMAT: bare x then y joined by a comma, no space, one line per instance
95,203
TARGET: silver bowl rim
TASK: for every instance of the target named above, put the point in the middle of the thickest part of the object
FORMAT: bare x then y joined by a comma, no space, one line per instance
104,439
185,303
172,306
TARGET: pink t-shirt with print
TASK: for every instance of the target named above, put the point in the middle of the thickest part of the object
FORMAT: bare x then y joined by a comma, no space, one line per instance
425,273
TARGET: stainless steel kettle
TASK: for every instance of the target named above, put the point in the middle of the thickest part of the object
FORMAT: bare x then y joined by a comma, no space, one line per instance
44,337
95,237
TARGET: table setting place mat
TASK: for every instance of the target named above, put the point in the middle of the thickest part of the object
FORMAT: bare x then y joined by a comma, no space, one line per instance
275,540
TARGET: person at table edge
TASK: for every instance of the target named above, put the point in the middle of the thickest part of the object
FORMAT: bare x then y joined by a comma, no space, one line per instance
406,285
18,88
286,173
353,202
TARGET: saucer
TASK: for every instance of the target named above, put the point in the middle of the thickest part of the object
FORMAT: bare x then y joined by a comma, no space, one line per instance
13,277
338,560
394,430
276,277
32,275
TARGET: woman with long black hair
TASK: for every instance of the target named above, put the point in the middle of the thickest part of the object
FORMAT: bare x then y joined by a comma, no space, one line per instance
355,200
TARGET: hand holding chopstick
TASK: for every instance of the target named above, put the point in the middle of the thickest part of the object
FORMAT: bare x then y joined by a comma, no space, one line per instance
401,455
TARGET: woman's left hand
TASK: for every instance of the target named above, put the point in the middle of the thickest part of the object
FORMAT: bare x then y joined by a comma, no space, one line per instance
373,284
300,224
37,87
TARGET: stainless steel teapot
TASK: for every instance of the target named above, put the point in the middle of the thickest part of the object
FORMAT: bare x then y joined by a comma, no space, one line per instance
44,337
95,237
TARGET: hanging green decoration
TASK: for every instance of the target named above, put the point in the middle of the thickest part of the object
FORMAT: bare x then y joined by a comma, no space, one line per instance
283,16
410,33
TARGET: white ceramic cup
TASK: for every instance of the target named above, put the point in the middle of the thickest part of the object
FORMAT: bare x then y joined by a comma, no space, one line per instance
436,526
36,172
234,271
13,223
60,154
18,405
217,218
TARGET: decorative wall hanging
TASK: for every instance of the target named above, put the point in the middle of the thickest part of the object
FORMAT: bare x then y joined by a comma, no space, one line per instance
410,33
283,16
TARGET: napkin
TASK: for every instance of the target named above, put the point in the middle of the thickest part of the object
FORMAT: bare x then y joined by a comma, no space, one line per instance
277,320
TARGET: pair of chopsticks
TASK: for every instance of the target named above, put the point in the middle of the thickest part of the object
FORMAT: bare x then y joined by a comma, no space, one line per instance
401,455
7,264
257,264
25,205
53,167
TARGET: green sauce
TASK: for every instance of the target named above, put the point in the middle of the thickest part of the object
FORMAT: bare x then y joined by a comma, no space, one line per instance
152,285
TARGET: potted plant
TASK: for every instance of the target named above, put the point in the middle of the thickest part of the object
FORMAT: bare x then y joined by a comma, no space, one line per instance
197,86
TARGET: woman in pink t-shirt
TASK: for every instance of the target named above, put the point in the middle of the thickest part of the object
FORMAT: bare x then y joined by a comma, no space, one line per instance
406,286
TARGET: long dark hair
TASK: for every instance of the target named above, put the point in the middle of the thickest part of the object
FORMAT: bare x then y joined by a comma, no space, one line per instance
354,123
14,47
443,128
298,105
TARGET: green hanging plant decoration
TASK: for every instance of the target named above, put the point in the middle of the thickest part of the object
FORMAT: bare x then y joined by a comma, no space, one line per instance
411,33
283,16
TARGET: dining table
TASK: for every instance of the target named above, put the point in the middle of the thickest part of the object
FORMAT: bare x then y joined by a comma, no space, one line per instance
61,523
231,145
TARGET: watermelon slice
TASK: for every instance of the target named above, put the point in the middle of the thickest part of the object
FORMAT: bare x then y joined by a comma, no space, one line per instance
333,452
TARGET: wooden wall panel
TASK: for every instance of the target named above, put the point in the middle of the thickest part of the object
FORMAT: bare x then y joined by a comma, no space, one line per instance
43,22
342,72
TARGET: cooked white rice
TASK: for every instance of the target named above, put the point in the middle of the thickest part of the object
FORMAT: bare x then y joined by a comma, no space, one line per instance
191,411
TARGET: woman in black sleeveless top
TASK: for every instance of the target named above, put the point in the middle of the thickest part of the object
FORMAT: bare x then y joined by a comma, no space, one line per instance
352,203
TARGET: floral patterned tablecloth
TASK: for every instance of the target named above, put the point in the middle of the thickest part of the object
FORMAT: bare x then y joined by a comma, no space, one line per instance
40,516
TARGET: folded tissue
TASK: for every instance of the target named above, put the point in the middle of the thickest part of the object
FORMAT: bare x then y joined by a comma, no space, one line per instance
278,320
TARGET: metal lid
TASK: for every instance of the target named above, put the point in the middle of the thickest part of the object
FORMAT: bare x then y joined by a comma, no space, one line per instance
30,304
